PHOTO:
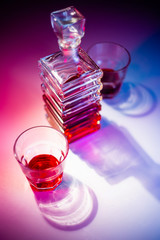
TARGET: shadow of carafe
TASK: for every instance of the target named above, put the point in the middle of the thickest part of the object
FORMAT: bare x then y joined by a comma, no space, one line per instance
115,155
71,206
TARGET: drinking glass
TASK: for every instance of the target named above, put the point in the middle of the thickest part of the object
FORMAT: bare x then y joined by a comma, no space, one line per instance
40,152
114,60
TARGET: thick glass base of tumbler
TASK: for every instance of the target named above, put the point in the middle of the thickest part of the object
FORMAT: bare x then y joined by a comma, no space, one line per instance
46,185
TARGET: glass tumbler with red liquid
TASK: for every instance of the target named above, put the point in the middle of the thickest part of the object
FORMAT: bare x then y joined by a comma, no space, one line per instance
114,60
40,152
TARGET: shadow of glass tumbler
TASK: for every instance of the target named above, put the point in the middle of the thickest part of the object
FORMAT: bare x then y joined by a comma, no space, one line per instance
114,60
40,152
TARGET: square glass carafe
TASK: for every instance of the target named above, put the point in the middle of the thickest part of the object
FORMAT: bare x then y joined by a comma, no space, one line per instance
71,81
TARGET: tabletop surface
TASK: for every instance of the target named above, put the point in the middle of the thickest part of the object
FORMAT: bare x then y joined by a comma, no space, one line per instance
111,186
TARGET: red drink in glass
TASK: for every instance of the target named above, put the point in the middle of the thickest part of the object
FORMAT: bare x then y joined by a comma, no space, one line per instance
40,152
45,164
111,83
114,60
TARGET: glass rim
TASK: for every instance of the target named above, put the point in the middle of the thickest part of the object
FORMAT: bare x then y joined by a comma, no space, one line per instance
113,43
39,126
